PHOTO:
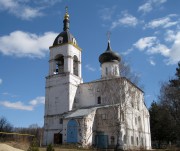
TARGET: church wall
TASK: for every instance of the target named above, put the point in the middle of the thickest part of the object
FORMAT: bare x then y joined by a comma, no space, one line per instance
86,95
85,129
56,94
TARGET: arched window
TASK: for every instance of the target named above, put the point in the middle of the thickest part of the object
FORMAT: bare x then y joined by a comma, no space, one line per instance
60,40
59,59
75,65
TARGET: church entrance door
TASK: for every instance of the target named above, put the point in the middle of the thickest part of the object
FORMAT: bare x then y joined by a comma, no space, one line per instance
72,131
101,141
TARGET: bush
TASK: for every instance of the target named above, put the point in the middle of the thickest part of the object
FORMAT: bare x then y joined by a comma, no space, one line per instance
50,148
33,146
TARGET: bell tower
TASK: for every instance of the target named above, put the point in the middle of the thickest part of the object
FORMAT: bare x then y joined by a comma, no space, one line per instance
62,81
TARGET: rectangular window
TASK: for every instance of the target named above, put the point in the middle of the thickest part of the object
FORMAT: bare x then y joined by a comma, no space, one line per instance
60,121
132,140
106,71
99,100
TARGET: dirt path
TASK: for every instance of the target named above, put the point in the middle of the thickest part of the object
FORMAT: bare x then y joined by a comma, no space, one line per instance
4,147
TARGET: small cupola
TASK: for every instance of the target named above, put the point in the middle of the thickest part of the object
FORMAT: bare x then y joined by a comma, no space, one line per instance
65,36
109,55
109,61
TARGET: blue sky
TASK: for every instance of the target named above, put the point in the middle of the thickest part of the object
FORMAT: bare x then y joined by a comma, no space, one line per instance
146,33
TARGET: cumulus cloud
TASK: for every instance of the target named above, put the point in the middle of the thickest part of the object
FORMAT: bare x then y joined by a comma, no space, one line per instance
150,4
174,55
38,100
125,20
152,46
16,105
164,22
24,44
19,9
145,42
106,13
1,81
19,105
89,67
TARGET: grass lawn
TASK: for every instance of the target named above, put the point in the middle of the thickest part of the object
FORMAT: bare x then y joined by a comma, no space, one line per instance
63,149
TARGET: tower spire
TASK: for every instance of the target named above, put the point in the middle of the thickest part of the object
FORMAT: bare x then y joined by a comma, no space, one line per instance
66,20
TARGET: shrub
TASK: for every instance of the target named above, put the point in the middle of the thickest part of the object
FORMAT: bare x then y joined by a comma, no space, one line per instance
33,146
50,148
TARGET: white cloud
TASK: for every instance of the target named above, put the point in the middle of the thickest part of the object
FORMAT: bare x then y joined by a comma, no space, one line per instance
16,105
152,62
152,46
126,20
90,68
21,106
174,55
159,48
38,100
20,9
145,42
164,22
147,7
106,13
24,44
1,81
150,4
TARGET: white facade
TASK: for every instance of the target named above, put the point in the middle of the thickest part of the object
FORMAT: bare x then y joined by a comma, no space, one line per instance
88,113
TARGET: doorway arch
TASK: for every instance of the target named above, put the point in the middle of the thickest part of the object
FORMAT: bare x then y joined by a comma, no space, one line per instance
72,131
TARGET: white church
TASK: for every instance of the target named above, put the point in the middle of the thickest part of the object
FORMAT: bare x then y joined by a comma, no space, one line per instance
105,113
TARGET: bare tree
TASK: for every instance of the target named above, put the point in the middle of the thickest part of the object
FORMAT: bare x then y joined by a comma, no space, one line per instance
5,126
116,93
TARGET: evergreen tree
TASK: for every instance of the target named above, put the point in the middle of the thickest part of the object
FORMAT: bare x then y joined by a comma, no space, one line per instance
162,125
170,99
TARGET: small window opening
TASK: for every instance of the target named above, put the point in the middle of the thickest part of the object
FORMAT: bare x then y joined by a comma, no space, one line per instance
112,140
106,71
75,65
137,140
124,139
99,100
132,104
60,121
60,40
132,140
122,116
135,120
116,72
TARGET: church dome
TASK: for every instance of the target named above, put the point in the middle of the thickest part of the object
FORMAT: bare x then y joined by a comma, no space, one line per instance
65,36
109,55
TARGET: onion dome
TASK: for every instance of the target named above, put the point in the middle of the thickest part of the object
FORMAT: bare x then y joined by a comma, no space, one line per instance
65,36
109,55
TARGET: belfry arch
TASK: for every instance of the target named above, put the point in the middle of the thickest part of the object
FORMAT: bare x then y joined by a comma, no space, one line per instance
75,65
59,64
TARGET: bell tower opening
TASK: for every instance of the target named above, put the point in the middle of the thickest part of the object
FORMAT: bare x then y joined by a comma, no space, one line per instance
75,66
59,60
